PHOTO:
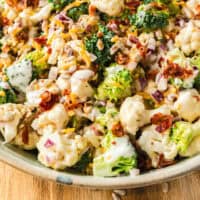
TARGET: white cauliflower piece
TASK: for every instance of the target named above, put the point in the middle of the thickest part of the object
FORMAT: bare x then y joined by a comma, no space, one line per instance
188,105
51,120
188,39
79,83
155,144
191,8
133,114
111,7
42,14
15,127
58,151
37,88
63,82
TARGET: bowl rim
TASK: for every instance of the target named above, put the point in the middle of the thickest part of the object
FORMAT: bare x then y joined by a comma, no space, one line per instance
26,162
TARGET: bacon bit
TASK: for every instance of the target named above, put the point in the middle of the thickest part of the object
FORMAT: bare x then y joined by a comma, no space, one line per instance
174,70
99,34
160,61
22,4
164,122
41,40
114,142
132,4
23,35
197,98
92,10
4,21
49,51
48,100
25,136
139,46
164,163
121,58
158,96
151,75
117,130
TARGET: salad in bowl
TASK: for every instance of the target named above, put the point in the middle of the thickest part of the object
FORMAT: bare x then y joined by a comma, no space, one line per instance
103,88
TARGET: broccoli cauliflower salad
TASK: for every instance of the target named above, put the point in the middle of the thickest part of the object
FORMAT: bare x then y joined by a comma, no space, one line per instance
103,88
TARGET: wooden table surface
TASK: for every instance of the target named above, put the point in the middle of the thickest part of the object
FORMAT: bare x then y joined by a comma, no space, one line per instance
17,185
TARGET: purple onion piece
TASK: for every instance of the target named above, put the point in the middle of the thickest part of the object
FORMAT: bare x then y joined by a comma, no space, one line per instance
143,82
49,143
158,96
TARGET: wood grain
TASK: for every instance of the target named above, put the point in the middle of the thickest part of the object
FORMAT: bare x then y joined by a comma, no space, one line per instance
17,185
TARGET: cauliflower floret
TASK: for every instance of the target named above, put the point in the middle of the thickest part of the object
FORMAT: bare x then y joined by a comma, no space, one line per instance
133,114
111,7
15,127
63,82
37,88
79,83
52,120
156,144
191,8
58,151
42,14
188,40
188,105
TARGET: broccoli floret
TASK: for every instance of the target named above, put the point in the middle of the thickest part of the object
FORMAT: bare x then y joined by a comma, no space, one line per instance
150,20
195,61
182,133
78,122
7,96
59,4
39,62
117,84
104,58
107,119
119,157
82,164
76,12
197,82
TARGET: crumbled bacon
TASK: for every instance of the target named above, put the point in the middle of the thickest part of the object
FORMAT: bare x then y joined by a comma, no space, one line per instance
164,163
139,46
162,121
175,70
25,134
151,74
23,35
121,59
22,4
41,40
197,98
48,99
117,130
132,4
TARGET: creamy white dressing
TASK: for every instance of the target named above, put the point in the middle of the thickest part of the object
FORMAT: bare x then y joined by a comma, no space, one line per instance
121,147
20,75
